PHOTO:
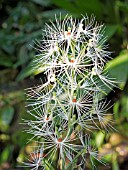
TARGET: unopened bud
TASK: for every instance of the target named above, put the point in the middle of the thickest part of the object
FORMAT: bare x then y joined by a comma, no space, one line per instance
74,99
59,139
72,60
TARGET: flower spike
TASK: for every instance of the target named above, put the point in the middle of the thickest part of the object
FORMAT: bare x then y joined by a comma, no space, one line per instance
67,107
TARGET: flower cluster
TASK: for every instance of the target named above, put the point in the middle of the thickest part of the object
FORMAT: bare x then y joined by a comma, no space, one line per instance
69,105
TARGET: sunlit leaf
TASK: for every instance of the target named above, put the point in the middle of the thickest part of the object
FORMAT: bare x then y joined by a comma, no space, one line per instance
118,67
100,138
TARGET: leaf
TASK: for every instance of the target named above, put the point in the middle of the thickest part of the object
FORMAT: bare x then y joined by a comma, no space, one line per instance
50,14
21,137
5,154
67,5
122,6
118,67
7,74
117,70
7,115
22,57
90,7
42,2
116,108
121,107
27,71
100,138
110,30
115,165
79,7
5,61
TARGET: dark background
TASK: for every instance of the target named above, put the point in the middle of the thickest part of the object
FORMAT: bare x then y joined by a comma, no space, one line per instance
21,22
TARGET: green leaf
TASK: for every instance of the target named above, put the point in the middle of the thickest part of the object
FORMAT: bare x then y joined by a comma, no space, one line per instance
21,137
81,7
7,115
5,61
110,30
5,154
117,70
122,6
50,14
42,2
118,67
116,107
27,71
100,138
121,106
67,5
90,7
115,165
22,57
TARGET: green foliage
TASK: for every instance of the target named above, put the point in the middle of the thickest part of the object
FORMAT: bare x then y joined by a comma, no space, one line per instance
5,154
79,7
100,136
21,23
7,115
118,68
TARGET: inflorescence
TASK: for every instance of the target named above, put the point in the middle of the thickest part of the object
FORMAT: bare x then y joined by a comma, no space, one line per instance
70,104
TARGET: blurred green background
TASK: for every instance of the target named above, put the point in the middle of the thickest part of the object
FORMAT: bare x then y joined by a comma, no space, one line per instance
21,22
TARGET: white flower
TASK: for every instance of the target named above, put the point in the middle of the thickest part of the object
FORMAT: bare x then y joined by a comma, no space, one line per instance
96,51
42,94
62,31
73,56
88,149
103,77
80,100
35,161
42,123
59,39
99,112
64,145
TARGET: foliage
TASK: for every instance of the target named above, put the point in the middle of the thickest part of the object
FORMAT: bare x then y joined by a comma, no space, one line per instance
21,23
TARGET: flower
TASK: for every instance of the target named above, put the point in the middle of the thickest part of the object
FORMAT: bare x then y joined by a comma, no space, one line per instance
97,75
59,39
61,31
42,123
99,112
62,144
88,149
72,55
35,161
80,100
43,93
